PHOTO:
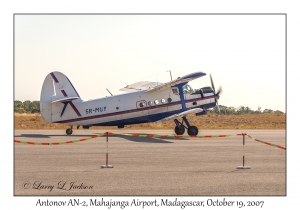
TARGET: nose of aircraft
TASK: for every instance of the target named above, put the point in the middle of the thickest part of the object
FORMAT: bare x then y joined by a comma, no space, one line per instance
217,94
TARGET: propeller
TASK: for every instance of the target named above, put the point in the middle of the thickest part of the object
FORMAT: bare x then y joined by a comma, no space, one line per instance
217,94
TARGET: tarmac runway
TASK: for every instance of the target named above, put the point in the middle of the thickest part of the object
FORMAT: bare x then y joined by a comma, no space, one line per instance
144,166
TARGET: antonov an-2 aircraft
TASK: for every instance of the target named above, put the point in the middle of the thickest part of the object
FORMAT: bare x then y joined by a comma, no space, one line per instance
144,102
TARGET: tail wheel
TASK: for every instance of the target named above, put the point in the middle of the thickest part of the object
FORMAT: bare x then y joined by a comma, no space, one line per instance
179,130
69,131
192,131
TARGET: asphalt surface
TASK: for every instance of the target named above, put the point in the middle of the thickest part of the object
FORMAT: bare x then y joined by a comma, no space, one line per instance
149,166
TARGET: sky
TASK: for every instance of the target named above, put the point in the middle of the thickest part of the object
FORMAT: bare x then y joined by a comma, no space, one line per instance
245,54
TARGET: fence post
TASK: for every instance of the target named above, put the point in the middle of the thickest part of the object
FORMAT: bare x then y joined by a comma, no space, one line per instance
243,167
106,166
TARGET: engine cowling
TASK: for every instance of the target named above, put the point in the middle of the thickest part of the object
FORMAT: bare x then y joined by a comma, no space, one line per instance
206,91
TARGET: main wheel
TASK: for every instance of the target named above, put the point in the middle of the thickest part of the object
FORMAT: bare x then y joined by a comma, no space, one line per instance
179,130
69,131
192,131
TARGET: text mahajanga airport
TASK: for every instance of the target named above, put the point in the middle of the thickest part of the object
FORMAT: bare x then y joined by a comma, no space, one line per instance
174,202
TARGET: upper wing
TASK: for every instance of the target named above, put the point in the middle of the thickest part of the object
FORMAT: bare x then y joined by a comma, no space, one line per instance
140,86
156,86
180,80
182,114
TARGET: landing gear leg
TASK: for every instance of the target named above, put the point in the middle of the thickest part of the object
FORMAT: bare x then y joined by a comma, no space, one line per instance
69,131
192,130
180,128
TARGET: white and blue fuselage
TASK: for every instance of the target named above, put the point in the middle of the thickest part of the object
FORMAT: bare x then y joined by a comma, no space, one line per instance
131,108
60,103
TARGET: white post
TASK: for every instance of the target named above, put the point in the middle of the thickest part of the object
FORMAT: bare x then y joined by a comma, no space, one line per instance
106,166
243,167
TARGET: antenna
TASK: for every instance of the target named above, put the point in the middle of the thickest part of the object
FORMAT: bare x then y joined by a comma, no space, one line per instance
109,92
170,74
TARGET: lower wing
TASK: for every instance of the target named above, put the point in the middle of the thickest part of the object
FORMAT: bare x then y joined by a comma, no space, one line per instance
182,114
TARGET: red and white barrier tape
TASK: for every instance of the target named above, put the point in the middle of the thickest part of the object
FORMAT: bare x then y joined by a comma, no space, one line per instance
267,143
143,136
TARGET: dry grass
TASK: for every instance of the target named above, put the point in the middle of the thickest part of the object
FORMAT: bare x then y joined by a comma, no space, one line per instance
247,121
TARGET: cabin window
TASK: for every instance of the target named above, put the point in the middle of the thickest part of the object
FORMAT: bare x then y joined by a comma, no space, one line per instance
163,101
150,103
169,100
175,91
142,104
156,102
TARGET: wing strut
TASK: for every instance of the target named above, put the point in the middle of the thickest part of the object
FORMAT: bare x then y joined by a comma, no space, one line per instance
182,96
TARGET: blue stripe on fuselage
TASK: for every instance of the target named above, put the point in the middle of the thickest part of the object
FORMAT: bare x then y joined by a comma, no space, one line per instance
136,110
137,120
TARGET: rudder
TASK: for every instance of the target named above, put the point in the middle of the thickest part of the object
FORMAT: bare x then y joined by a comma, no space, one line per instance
56,88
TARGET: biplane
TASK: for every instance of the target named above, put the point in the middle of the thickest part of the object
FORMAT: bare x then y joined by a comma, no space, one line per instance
142,102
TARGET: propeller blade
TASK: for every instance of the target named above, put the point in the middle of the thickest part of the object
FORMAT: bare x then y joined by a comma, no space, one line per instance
212,83
217,94
220,90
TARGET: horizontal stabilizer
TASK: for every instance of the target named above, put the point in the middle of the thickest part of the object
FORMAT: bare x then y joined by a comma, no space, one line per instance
65,99
183,114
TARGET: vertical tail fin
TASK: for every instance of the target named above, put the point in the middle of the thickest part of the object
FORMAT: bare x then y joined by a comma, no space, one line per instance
57,90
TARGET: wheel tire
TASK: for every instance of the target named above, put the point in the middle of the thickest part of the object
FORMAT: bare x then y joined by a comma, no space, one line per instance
179,130
69,131
192,131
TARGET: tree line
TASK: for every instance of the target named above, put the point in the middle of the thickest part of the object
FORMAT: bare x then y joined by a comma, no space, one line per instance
241,110
26,106
34,107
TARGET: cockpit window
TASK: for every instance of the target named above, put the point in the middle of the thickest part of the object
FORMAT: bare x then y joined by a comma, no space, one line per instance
175,91
187,89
